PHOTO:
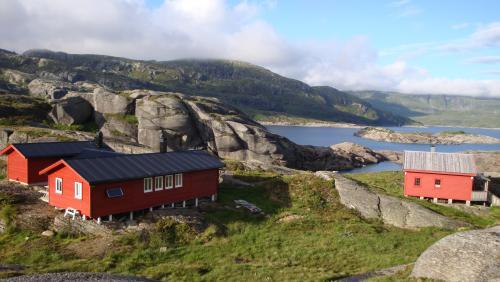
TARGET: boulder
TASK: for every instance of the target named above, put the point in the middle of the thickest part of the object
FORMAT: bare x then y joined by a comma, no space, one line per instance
48,233
166,114
464,256
107,102
17,77
118,126
358,152
73,110
48,89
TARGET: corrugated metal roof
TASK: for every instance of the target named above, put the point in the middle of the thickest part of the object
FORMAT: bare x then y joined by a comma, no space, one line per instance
127,167
53,149
439,162
96,153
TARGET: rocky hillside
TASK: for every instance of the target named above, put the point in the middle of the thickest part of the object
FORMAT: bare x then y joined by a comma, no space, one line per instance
446,137
140,117
257,91
437,109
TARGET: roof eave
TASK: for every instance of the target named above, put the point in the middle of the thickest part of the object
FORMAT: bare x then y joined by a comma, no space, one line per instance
440,172
9,148
145,176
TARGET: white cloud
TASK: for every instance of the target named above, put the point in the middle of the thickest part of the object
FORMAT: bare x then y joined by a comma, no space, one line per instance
446,86
486,36
216,29
484,60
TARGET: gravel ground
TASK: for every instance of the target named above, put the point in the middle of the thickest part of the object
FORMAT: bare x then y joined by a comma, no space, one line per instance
75,276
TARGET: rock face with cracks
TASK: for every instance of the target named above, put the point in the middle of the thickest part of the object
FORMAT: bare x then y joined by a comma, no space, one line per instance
189,122
390,210
464,256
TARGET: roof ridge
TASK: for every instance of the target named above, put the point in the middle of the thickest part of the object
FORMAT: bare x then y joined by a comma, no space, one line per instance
450,153
134,155
49,142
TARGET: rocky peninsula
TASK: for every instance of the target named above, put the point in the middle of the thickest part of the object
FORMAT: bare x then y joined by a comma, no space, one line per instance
445,137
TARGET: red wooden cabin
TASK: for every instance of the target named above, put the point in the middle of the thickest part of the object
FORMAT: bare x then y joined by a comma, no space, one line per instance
103,186
434,175
25,160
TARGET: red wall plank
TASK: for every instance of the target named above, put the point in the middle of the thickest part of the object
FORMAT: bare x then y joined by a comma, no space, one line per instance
34,167
67,198
195,185
456,187
17,167
95,202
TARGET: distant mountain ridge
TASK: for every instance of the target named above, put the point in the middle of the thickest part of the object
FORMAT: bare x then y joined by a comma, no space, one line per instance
448,110
255,90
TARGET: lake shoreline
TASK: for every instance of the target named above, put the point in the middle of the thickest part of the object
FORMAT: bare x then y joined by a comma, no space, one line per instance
312,124
353,125
450,137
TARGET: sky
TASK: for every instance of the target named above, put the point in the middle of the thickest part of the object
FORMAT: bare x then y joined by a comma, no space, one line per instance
409,46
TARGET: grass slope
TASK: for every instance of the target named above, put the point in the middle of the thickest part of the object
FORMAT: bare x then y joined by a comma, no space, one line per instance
328,242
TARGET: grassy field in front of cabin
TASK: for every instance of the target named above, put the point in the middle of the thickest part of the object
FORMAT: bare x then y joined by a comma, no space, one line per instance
304,235
391,183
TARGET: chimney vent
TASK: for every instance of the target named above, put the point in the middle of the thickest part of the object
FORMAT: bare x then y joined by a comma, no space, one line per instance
98,140
163,142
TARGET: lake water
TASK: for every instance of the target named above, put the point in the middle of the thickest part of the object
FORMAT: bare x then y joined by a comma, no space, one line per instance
326,136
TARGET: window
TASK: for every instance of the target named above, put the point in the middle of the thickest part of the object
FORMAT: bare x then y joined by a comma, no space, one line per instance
437,183
178,180
148,185
417,181
158,183
169,181
58,185
114,192
78,190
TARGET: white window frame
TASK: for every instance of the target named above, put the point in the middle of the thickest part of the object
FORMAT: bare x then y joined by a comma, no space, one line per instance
59,185
178,180
169,181
159,187
148,185
437,185
78,190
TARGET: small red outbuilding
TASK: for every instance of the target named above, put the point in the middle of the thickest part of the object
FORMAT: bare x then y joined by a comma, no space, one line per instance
435,175
114,184
25,160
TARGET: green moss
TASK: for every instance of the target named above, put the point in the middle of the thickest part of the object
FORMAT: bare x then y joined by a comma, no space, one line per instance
89,126
7,214
453,132
130,119
3,169
39,133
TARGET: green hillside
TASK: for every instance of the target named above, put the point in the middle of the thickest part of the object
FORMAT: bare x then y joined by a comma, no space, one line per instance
437,109
256,90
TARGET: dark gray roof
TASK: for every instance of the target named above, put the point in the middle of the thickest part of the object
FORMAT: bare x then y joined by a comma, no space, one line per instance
96,153
439,162
53,149
127,167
